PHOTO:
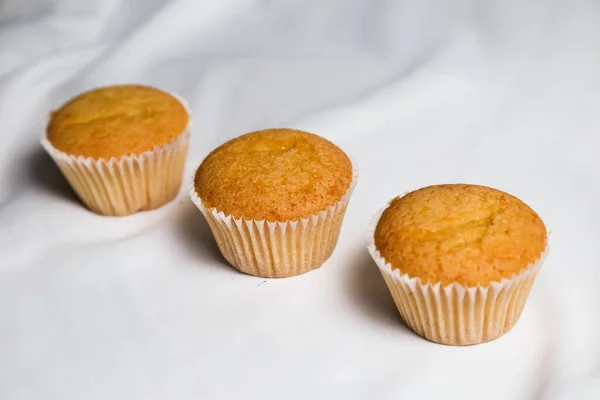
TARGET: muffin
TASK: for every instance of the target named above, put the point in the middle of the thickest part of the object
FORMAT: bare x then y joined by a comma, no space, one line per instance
459,260
275,200
122,148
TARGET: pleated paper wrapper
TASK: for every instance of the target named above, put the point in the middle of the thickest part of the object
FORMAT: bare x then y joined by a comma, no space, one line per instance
456,314
130,183
277,249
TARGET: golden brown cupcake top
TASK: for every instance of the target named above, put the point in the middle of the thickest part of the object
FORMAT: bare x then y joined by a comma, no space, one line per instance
115,121
275,174
459,233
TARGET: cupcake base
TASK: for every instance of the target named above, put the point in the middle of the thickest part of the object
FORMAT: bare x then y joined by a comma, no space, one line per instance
132,183
456,314
277,249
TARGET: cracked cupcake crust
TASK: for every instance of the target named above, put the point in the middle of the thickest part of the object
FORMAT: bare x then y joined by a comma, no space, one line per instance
117,120
274,175
460,233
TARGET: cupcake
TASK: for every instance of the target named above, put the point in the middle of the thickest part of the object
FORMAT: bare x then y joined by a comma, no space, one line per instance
122,148
275,200
459,260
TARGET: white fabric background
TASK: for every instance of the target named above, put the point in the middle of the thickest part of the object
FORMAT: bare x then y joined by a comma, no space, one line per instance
502,93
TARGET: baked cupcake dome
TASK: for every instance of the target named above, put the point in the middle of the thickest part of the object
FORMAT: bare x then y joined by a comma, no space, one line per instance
275,200
122,148
459,260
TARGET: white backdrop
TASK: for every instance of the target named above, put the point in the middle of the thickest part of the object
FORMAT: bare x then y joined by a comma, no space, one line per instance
503,93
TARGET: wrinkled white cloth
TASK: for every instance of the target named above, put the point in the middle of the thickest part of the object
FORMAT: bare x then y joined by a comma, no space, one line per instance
501,93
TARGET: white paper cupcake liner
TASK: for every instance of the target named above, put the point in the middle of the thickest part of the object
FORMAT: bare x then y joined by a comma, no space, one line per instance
130,183
456,314
277,249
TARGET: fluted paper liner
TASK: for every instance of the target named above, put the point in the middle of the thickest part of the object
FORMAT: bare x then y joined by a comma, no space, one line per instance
277,249
456,314
130,183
